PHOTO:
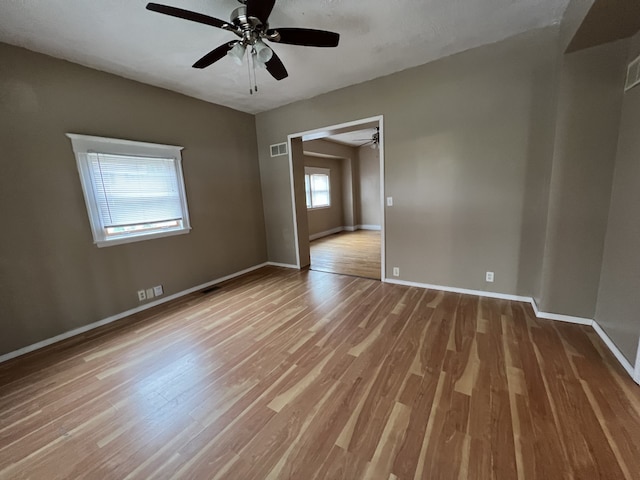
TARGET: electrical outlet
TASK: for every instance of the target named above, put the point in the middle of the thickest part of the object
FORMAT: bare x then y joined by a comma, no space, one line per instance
149,293
489,277
158,290
142,295
396,272
389,201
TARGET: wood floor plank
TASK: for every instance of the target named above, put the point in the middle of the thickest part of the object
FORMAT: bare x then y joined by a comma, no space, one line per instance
349,253
284,374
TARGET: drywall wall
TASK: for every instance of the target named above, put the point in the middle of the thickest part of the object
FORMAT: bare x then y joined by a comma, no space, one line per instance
618,299
369,187
458,149
52,277
589,105
327,218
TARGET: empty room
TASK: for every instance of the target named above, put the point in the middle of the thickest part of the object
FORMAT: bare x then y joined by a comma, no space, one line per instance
264,239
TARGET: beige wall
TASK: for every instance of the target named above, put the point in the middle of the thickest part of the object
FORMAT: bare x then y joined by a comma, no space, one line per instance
325,219
463,161
618,298
369,187
590,99
52,278
349,156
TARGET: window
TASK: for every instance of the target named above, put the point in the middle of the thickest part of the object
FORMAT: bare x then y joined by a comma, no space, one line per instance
133,191
316,183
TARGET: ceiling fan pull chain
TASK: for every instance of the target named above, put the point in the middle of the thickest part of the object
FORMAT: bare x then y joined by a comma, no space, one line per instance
249,58
255,79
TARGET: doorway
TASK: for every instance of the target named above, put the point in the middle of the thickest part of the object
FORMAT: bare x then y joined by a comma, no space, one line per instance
337,188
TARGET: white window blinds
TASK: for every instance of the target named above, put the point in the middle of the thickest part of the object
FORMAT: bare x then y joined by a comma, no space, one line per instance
317,187
320,190
134,190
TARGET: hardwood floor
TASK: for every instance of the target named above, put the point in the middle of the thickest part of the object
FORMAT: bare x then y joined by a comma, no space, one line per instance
350,253
282,374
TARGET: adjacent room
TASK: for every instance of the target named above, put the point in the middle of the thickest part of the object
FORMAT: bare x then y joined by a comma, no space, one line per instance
343,192
264,239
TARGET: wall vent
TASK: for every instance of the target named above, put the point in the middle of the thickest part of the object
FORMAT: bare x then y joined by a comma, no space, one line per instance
279,149
633,74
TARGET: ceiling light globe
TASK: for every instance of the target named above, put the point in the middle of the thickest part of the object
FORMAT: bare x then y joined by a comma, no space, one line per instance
237,53
263,52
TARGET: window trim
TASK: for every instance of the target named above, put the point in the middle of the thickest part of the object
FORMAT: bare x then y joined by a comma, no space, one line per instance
85,144
318,171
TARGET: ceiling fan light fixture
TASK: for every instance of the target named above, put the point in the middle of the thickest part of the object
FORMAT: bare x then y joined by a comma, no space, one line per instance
237,53
262,52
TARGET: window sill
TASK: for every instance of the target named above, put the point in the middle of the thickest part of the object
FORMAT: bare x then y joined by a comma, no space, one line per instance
140,238
318,208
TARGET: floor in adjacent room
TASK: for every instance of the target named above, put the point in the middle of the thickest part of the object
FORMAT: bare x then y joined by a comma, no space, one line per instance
350,253
286,374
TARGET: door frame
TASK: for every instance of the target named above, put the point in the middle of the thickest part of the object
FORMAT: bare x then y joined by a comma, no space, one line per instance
315,131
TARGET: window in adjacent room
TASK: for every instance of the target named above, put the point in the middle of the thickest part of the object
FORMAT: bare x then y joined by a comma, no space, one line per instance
133,191
317,187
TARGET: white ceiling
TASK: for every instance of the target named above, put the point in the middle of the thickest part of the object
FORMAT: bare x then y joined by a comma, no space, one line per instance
356,138
378,37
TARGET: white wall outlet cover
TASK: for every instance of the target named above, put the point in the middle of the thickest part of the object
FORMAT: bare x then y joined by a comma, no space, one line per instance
396,272
489,277
142,295
158,290
149,292
389,201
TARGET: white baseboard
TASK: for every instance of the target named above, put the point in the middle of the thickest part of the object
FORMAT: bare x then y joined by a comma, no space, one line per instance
333,231
283,265
326,233
634,373
479,293
616,352
113,318
601,333
559,317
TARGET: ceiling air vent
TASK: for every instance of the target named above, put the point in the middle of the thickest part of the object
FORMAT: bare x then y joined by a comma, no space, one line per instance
633,74
279,149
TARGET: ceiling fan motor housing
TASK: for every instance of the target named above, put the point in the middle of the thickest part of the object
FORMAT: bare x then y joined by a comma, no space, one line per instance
252,28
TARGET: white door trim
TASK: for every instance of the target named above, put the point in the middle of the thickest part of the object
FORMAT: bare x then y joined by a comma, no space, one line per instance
354,123
636,372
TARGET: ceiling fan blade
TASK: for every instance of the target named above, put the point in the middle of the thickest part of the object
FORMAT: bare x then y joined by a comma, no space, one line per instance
304,36
214,55
186,15
276,68
260,9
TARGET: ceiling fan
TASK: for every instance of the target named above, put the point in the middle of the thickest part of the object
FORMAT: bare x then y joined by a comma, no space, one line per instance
373,142
250,23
